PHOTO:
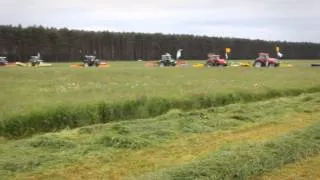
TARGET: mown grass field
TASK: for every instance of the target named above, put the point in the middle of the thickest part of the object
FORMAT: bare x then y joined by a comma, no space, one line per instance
133,122
25,89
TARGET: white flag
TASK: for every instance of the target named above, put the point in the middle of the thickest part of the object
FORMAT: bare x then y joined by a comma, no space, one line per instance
279,55
179,53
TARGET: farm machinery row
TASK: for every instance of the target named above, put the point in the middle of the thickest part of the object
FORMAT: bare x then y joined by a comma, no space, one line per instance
263,60
215,60
34,61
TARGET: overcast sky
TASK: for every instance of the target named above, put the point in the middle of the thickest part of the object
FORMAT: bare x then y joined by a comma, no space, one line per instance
291,20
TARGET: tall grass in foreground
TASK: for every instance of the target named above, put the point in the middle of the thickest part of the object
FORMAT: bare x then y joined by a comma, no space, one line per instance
245,161
174,128
71,117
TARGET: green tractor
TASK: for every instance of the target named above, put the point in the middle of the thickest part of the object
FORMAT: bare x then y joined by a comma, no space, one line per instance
35,60
167,60
3,61
89,61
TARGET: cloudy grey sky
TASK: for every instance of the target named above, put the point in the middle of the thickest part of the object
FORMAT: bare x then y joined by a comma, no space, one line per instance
291,20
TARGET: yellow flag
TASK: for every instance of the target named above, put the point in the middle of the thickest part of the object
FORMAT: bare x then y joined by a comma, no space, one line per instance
228,50
278,49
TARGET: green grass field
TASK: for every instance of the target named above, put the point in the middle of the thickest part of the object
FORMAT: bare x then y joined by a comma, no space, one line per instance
129,121
26,89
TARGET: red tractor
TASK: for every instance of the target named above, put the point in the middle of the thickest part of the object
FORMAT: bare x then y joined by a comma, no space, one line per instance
265,61
214,60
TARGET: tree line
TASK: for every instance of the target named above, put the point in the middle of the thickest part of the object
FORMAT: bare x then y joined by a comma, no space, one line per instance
18,43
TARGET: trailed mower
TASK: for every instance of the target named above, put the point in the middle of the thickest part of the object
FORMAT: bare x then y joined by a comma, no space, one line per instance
34,61
167,61
91,61
265,61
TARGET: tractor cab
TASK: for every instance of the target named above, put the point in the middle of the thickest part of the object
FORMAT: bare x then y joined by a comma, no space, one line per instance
214,57
215,60
89,61
263,56
167,60
3,61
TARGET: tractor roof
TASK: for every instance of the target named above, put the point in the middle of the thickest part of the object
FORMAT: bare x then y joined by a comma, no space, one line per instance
166,54
2,57
89,56
213,55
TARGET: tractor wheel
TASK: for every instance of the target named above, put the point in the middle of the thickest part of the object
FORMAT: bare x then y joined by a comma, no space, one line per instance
220,65
272,65
257,64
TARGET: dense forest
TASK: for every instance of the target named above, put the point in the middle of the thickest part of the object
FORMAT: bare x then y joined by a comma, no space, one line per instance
18,43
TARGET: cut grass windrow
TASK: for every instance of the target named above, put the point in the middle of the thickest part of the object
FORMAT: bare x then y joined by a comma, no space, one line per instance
71,117
114,142
247,160
182,150
306,169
